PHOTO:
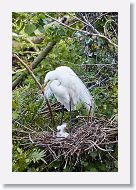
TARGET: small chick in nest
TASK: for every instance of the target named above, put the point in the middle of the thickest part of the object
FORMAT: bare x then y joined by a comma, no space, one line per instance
61,131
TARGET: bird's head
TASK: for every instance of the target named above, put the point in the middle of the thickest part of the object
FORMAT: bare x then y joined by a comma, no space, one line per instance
50,76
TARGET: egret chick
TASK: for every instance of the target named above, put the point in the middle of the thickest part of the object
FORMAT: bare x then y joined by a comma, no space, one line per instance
61,131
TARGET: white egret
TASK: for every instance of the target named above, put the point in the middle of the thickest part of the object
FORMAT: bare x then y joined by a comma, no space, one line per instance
68,89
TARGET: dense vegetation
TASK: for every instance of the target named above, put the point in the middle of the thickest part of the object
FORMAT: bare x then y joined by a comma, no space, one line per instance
87,43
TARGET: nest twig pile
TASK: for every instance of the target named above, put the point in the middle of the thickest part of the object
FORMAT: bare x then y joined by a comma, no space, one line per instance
97,135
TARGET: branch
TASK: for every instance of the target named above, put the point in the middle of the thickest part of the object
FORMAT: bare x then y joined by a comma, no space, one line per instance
18,71
43,54
75,29
29,70
102,36
86,24
106,30
18,80
98,83
37,82
37,60
29,40
33,45
99,17
83,31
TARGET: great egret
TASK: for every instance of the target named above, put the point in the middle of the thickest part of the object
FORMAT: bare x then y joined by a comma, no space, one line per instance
68,89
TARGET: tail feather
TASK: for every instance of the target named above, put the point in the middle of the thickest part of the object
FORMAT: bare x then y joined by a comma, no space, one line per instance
86,98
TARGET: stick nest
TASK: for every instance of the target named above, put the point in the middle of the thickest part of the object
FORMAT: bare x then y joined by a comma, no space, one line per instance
97,135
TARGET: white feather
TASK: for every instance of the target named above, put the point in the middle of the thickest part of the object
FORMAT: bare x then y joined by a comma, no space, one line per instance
48,92
61,131
66,86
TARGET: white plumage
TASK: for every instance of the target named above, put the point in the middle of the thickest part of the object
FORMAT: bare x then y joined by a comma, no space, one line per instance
61,131
67,86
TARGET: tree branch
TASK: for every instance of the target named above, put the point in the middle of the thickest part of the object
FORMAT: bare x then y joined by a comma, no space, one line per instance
83,31
29,70
43,54
86,22
38,84
18,80
75,29
38,59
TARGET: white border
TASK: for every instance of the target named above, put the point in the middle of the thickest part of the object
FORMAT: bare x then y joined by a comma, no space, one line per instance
6,174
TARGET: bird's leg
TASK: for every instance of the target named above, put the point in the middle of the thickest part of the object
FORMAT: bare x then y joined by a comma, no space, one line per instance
62,115
89,115
70,116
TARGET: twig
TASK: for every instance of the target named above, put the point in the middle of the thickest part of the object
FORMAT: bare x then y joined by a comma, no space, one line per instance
102,36
30,71
37,82
18,71
73,23
36,61
98,64
86,139
86,23
83,31
105,150
33,45
105,29
53,153
98,83
99,17
67,26
30,139
21,131
43,54
33,40
24,126
91,26
112,156
27,40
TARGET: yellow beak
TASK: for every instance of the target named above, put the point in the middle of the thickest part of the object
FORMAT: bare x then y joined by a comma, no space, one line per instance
43,88
45,85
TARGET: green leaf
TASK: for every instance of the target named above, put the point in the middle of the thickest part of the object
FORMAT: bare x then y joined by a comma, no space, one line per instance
19,150
67,169
13,104
102,167
93,154
14,115
37,155
41,29
116,164
30,28
93,170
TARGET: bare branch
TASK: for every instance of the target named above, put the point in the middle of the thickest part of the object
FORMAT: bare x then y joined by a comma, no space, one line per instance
29,70
37,82
37,60
83,31
86,23
75,29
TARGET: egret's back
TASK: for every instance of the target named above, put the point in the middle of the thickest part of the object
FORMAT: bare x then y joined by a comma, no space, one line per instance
65,70
77,90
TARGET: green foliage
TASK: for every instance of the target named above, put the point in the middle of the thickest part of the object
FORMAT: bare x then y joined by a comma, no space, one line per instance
77,51
23,160
29,29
